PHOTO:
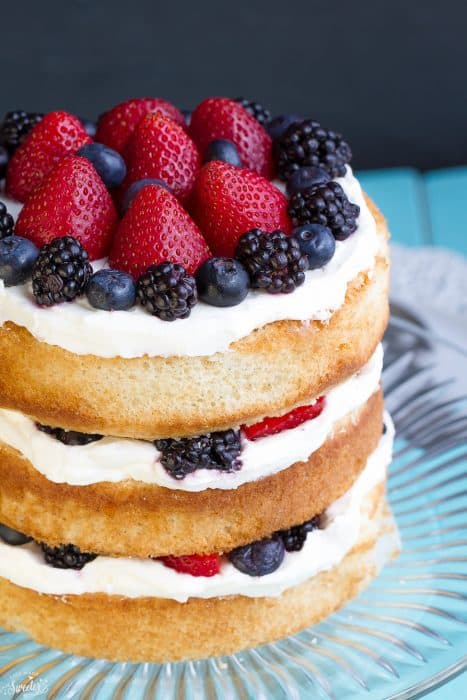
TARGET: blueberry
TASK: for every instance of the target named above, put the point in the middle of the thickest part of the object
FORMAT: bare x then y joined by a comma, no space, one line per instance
221,149
17,257
306,177
187,114
279,124
222,282
108,163
259,558
316,242
3,161
135,187
90,127
111,290
13,537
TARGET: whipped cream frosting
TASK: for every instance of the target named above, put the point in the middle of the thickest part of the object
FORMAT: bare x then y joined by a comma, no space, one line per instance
117,459
83,330
134,578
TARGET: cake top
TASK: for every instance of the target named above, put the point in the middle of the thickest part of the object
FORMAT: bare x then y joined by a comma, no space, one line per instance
180,209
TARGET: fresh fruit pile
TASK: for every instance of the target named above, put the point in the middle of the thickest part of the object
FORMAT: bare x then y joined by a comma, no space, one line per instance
181,206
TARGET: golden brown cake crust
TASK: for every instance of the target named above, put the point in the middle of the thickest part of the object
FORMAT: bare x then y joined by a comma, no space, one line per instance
136,519
97,625
269,372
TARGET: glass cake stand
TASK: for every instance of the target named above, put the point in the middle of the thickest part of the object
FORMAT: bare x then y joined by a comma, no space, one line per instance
404,635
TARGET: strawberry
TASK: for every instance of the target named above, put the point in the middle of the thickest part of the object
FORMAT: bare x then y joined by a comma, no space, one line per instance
115,127
57,134
157,229
221,118
227,201
159,148
194,564
271,426
71,201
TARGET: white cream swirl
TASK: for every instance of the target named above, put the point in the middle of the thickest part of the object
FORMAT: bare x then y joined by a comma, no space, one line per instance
116,459
83,330
135,578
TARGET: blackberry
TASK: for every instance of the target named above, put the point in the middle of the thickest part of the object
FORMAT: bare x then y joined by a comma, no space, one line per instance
66,556
69,437
7,223
325,204
294,537
16,126
61,271
260,113
167,291
308,143
273,261
220,450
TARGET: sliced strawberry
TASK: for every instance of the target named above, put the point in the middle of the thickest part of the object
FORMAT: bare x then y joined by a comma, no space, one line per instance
194,564
71,201
272,426
57,135
227,201
221,118
161,149
155,229
115,127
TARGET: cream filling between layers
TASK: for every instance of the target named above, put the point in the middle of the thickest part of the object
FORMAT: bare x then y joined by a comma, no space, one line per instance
135,578
83,330
116,459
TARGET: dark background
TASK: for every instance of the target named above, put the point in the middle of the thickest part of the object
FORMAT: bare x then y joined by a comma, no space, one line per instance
390,75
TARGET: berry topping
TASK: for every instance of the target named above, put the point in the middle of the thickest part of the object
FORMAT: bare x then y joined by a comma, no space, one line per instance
272,426
273,261
220,450
17,258
69,437
7,223
221,149
16,126
221,118
167,291
13,537
308,143
58,134
227,201
160,148
194,564
136,187
259,558
108,163
61,272
4,158
303,178
111,290
115,127
327,205
66,556
260,113
278,125
316,242
71,201
90,127
294,537
222,282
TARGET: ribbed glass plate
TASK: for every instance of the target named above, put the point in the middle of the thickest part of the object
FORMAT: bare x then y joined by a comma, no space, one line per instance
406,633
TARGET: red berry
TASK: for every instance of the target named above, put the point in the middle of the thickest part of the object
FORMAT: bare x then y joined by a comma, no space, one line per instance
71,201
221,118
57,135
156,229
272,426
115,127
161,149
227,201
194,564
